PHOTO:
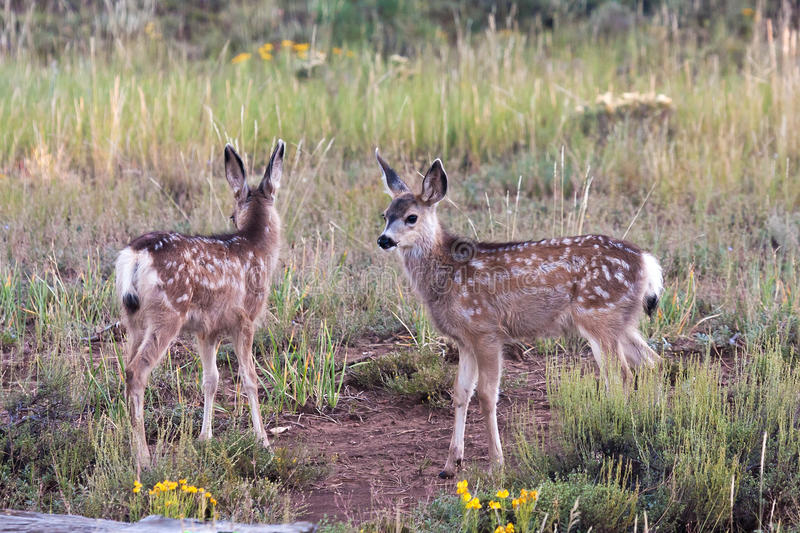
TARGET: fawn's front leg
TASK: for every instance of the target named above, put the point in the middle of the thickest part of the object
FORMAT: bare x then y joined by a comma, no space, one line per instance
463,388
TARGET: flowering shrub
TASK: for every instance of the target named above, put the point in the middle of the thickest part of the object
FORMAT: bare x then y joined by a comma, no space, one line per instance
514,516
178,499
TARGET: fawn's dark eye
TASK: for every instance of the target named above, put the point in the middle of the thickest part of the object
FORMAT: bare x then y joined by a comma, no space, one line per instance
411,219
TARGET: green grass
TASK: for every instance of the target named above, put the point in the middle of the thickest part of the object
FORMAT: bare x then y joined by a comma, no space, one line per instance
99,147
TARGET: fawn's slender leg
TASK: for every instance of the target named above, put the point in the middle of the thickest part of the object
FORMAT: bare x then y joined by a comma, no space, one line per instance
490,366
243,345
207,349
463,388
597,353
136,336
636,349
137,372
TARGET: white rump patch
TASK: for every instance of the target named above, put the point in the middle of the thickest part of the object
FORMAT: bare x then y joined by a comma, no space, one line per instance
654,281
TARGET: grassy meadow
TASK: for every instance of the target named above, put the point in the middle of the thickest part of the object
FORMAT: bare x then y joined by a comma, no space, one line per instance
109,138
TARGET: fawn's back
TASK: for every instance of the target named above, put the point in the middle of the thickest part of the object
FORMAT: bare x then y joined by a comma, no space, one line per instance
534,289
208,284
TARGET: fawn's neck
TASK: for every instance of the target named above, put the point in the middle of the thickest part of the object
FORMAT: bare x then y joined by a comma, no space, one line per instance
429,262
262,229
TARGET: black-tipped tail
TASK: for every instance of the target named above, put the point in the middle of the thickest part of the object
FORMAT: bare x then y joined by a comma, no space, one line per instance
650,304
131,302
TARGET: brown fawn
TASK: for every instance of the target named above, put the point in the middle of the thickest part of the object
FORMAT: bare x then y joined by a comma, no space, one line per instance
214,287
486,295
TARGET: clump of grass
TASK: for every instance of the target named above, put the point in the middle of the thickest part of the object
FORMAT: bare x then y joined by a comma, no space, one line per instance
422,375
685,440
303,375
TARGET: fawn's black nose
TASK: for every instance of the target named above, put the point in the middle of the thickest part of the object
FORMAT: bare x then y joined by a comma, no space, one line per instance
385,242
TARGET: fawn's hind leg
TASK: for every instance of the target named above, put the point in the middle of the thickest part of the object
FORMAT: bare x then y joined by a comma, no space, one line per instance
636,349
155,342
603,349
243,345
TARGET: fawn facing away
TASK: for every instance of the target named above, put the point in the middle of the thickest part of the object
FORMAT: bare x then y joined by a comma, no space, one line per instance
485,295
214,287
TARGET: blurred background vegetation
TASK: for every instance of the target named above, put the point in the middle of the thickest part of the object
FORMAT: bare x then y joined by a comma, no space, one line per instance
46,28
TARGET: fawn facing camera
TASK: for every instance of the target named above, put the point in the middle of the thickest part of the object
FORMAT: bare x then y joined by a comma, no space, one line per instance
486,295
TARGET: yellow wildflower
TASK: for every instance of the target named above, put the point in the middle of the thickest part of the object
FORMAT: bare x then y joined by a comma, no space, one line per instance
137,487
302,54
301,47
466,497
461,486
212,501
182,481
515,503
201,490
336,51
503,494
264,51
286,43
494,505
474,503
241,58
208,495
151,492
534,494
509,528
151,31
500,529
192,489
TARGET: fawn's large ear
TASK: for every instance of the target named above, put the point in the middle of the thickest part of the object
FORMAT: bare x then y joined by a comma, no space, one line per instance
272,176
391,181
434,185
234,171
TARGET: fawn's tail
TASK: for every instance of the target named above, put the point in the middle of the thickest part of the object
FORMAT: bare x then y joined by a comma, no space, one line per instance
126,268
654,283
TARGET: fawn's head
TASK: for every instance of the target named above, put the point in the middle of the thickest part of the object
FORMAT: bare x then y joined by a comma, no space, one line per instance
252,202
411,218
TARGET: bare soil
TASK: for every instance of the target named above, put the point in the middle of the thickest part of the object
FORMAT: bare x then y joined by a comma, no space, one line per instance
386,452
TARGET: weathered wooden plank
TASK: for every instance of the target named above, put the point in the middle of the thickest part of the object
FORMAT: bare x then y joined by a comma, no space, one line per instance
29,522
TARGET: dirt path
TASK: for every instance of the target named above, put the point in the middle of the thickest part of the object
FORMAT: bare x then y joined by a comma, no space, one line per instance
388,451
